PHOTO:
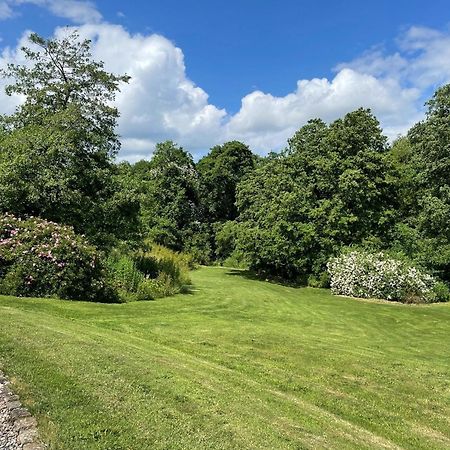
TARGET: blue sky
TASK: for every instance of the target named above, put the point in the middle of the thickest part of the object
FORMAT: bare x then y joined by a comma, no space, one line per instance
207,70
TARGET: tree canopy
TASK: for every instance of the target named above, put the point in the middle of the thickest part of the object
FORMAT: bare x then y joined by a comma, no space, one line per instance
57,149
329,189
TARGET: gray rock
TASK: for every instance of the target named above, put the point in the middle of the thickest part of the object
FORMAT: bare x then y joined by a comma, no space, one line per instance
28,436
17,428
25,422
13,405
19,412
33,446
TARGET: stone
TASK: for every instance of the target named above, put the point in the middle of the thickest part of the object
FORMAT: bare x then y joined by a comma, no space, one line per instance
25,422
33,446
12,398
13,405
19,412
28,436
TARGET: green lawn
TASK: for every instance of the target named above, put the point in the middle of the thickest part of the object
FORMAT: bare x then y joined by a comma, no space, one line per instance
237,364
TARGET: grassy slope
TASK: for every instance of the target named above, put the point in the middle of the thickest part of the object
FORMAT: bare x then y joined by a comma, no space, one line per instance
238,364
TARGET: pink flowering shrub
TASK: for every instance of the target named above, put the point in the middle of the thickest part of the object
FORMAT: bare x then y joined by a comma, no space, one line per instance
375,275
42,258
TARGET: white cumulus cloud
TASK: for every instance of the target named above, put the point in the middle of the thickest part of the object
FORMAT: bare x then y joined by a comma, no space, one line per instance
161,102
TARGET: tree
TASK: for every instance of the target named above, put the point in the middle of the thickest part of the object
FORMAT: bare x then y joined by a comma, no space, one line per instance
424,233
170,198
220,171
330,188
57,149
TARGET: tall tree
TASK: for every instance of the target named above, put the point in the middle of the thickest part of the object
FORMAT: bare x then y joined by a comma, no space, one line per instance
170,200
57,149
330,188
425,232
220,171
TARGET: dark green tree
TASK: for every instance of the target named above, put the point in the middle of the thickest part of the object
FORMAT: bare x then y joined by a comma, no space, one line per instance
424,233
220,171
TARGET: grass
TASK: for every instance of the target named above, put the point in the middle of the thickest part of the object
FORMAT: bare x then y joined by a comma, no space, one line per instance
237,364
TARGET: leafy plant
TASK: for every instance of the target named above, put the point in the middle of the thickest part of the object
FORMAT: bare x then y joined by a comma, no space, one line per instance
42,258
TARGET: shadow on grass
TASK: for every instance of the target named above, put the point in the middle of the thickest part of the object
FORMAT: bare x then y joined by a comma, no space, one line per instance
250,275
188,289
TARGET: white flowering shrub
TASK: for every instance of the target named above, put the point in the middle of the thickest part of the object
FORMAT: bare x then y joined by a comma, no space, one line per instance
374,275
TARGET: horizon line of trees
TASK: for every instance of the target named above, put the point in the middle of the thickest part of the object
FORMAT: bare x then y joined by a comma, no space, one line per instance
335,185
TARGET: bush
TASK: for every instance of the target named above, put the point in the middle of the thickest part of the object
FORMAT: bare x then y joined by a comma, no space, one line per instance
184,261
199,243
151,273
125,273
322,281
42,258
374,275
441,292
162,286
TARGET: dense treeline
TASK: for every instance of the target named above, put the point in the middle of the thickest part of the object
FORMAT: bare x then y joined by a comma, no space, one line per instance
334,187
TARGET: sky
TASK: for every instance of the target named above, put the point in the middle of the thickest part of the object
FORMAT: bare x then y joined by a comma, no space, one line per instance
207,71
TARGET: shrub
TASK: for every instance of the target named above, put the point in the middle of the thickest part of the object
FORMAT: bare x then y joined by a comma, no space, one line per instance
42,258
184,260
151,273
441,292
162,286
322,281
374,275
174,264
127,277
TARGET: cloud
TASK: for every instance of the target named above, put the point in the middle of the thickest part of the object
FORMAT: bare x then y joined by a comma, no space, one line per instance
13,56
161,102
78,11
5,10
394,85
262,114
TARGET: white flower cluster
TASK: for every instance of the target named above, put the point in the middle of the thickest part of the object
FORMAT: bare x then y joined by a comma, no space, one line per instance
373,275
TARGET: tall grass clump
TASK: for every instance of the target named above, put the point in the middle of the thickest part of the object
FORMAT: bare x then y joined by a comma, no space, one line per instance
152,272
375,275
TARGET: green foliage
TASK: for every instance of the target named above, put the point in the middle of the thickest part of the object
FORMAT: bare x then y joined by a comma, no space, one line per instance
199,242
331,187
183,261
126,274
62,75
226,237
150,273
320,281
441,292
424,232
220,171
56,150
170,195
162,286
41,258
